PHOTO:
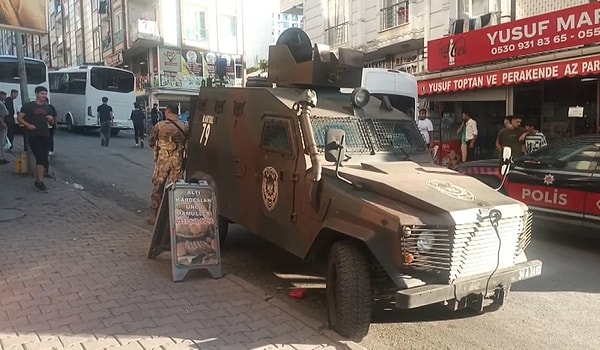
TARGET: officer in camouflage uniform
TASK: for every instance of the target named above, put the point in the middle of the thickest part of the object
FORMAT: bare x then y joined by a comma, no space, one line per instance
168,138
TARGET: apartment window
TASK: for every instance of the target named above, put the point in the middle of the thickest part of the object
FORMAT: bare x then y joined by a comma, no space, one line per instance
228,26
118,27
393,13
97,41
195,28
338,15
472,8
78,14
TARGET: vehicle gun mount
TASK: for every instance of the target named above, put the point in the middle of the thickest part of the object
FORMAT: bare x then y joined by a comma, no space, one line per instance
294,62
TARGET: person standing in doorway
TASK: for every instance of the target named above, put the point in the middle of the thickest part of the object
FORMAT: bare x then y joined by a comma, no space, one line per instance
36,116
138,118
468,136
533,138
168,138
10,119
425,127
511,137
105,119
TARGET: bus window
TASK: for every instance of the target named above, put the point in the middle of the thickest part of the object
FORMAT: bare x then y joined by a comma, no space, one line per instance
36,72
56,81
112,80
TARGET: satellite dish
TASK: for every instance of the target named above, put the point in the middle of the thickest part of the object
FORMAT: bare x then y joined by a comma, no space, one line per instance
298,43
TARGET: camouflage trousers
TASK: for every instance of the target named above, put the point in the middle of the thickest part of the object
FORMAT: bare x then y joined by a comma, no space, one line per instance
165,170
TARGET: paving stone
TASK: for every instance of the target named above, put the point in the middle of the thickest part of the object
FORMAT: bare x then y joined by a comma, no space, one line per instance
75,276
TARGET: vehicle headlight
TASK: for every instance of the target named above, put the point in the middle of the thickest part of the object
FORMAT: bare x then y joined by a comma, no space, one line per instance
425,241
360,97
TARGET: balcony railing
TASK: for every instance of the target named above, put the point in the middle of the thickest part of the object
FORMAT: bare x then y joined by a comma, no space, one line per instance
106,43
119,37
338,34
394,16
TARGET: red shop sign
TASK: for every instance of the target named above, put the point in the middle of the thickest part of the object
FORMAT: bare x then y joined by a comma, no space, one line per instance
554,70
570,27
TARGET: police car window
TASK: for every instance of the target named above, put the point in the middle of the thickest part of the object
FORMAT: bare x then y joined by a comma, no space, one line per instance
582,160
276,138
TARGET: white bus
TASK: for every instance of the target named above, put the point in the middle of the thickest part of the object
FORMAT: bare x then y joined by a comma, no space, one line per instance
78,91
37,75
400,87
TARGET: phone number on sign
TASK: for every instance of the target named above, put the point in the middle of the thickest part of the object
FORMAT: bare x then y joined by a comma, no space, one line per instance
542,42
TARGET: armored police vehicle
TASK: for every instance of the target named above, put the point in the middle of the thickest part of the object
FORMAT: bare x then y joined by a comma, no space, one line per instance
347,180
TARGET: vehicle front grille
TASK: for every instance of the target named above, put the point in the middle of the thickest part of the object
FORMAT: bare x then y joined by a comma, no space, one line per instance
475,247
468,249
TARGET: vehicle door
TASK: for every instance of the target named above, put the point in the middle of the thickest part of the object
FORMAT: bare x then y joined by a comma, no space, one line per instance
591,214
554,182
277,178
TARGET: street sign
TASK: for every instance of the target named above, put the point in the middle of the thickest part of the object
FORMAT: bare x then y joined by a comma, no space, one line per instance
186,225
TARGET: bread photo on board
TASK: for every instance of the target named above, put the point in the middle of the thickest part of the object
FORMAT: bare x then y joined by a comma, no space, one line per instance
28,14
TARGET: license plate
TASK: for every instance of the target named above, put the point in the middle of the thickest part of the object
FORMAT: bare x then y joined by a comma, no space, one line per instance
529,272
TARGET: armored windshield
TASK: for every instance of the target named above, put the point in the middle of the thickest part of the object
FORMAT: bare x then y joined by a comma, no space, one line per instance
370,135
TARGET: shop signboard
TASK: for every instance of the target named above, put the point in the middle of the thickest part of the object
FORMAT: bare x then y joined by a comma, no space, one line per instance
577,67
187,225
24,16
574,26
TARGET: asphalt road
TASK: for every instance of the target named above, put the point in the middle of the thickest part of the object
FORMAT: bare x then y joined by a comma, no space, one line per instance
558,310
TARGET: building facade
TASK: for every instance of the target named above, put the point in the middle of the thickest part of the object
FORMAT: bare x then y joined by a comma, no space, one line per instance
171,45
491,58
538,60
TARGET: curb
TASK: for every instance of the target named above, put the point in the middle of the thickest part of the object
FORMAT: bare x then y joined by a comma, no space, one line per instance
308,321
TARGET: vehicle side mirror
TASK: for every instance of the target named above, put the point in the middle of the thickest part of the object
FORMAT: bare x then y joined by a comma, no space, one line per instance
506,160
334,148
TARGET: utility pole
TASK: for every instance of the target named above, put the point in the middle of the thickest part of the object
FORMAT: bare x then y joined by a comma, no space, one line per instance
24,95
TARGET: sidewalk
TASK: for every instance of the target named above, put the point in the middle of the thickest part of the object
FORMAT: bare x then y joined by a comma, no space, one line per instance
74,275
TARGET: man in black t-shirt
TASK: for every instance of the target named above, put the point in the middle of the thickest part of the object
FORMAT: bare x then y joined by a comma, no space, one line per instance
105,118
138,117
510,137
36,116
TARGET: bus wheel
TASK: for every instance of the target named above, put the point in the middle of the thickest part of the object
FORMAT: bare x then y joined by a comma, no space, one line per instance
114,132
70,124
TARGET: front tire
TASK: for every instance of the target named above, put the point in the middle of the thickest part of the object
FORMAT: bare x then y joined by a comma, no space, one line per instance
114,132
349,292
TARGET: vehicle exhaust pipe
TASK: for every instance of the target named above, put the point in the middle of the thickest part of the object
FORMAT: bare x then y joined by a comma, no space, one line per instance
308,100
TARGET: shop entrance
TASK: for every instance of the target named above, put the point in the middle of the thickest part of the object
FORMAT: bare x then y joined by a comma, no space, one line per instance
548,103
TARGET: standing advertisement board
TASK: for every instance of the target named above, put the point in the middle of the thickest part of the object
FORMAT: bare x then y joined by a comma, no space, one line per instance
187,225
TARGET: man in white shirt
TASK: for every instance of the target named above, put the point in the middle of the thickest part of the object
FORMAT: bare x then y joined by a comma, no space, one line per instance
425,127
468,136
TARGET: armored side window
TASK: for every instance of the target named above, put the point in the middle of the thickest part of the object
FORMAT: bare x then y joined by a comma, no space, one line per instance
276,138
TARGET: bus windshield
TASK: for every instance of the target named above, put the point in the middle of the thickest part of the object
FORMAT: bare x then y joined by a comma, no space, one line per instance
9,71
106,79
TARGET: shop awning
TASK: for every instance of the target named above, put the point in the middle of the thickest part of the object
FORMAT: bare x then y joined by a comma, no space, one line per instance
575,67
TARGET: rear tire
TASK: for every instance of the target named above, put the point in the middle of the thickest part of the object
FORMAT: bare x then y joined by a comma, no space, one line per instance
114,132
349,292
